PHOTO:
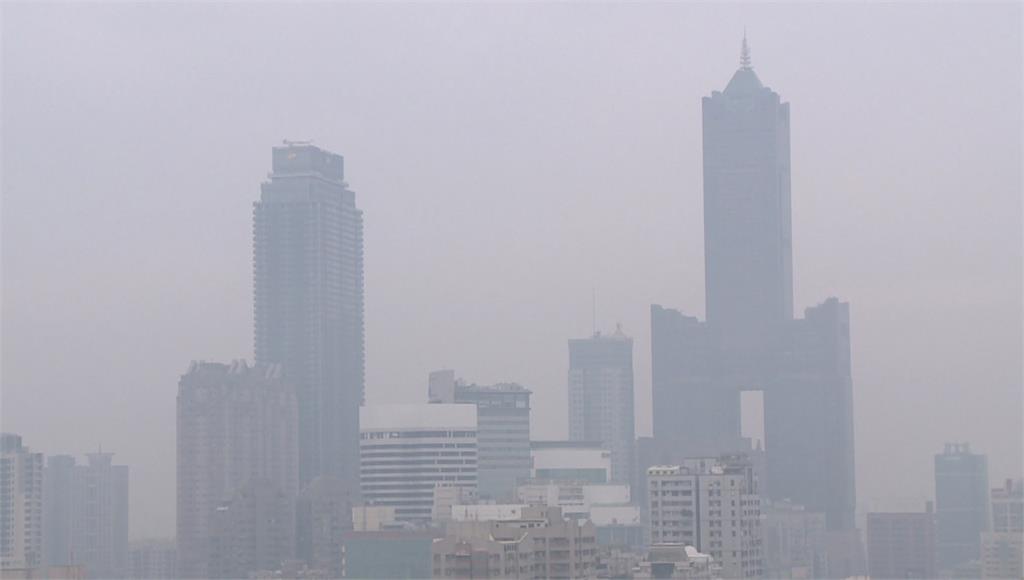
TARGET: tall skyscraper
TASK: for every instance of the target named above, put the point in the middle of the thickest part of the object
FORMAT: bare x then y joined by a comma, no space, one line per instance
750,340
503,429
85,515
1002,549
21,505
601,397
308,272
237,442
961,504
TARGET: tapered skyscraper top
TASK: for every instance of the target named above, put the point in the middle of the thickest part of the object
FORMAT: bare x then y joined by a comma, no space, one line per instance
745,54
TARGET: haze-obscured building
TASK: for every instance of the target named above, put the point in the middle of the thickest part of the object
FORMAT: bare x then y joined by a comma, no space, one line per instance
153,560
406,451
601,397
85,515
961,505
585,461
388,554
1002,549
750,340
21,502
323,514
237,445
308,302
901,545
539,544
503,429
794,543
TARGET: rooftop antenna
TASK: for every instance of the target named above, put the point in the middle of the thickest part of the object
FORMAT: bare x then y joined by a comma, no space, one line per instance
745,52
593,311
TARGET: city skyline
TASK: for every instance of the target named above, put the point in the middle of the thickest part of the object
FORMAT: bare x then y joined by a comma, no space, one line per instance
621,289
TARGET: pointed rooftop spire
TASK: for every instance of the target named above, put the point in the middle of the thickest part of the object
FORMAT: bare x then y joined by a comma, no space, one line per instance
745,53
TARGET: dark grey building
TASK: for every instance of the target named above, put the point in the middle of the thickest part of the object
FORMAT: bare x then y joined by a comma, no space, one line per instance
308,272
750,340
601,398
961,505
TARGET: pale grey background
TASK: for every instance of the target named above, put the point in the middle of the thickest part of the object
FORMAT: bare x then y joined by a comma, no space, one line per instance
509,158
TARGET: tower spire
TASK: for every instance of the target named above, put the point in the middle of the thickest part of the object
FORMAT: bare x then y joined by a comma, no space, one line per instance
745,53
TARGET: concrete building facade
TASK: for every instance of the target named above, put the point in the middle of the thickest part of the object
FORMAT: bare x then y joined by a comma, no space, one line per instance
540,544
21,502
407,451
1002,549
584,461
308,274
713,505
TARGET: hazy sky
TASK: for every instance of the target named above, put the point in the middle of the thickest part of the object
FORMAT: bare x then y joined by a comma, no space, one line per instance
508,158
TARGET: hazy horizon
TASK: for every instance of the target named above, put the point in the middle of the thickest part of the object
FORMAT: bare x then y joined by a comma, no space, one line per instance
511,161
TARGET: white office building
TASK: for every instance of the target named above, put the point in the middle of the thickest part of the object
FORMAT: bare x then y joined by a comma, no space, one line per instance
408,451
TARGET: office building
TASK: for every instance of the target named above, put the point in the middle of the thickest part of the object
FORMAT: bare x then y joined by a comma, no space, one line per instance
407,451
503,429
539,544
750,340
601,397
713,505
21,503
794,541
961,505
253,530
85,515
153,560
237,425
324,514
308,272
1002,549
902,545
585,461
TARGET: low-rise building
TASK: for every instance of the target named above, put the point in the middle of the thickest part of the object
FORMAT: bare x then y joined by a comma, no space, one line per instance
540,544
902,545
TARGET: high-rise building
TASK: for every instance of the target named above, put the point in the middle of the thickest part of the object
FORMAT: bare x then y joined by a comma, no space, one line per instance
1002,549
503,429
793,541
408,451
961,505
85,515
153,560
750,340
902,545
324,515
236,424
21,505
308,272
601,397
252,531
713,505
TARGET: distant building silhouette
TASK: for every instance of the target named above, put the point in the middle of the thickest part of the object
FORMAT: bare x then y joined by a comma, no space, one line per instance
601,397
308,272
1002,549
153,560
961,505
85,515
237,451
901,545
750,341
